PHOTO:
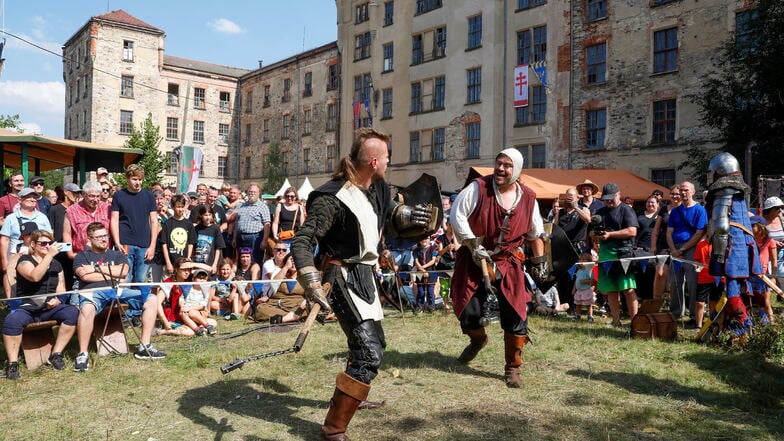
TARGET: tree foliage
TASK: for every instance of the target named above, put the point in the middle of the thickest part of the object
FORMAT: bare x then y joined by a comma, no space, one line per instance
10,122
147,138
273,169
744,100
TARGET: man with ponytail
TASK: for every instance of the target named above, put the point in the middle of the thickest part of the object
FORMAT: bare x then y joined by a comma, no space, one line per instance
345,218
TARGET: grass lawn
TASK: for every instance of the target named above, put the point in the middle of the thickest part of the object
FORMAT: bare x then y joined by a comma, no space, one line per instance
582,382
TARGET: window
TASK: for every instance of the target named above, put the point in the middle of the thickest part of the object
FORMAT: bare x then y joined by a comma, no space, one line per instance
416,98
361,13
665,50
332,118
172,129
247,167
84,122
198,131
265,130
473,134
174,163
663,176
474,32
308,84
286,124
389,13
388,51
126,122
305,160
286,91
532,45
362,85
173,97
423,6
247,136
664,114
439,93
223,134
744,26
595,126
597,10
266,96
198,98
223,166
526,4
225,101
474,85
333,76
78,89
538,156
126,86
362,46
439,43
536,111
127,50
596,64
439,140
386,106
86,84
538,104
415,151
660,2
87,49
417,50
331,154
307,116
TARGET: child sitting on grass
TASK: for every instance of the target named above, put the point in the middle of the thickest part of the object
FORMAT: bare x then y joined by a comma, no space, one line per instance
194,305
584,296
549,302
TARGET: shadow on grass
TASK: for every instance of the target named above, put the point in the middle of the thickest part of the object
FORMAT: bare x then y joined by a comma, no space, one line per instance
271,401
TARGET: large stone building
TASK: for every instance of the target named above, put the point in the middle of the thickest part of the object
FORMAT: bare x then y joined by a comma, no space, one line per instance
292,105
116,73
608,81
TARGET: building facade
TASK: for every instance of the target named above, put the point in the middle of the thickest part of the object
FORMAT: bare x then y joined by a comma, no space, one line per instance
292,105
116,73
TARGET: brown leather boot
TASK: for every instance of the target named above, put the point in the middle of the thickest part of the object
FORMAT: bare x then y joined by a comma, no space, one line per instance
348,394
513,353
478,341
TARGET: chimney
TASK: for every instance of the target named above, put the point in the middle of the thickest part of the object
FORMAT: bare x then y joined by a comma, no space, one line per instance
261,64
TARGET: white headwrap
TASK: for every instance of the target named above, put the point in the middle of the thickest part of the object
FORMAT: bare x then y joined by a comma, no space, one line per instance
517,160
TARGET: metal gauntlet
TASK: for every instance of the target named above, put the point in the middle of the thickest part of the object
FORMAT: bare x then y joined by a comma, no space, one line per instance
478,251
417,217
538,268
310,279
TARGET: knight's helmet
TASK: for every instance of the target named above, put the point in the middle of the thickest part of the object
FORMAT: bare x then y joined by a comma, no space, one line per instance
722,164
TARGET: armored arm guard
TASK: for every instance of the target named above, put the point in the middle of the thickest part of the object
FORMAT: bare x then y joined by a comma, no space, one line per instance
310,278
720,219
478,251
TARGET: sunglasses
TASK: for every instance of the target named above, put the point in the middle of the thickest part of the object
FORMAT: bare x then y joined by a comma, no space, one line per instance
281,249
290,196
44,243
105,190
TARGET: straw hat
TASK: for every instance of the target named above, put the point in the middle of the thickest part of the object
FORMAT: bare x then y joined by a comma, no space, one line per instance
594,187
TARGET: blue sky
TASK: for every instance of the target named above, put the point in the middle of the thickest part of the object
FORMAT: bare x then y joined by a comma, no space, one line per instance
235,33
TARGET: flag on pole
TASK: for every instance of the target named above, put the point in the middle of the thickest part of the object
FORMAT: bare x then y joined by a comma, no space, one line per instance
357,107
190,166
520,84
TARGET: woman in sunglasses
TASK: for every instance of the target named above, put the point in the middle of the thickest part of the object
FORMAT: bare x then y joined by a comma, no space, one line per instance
39,273
288,216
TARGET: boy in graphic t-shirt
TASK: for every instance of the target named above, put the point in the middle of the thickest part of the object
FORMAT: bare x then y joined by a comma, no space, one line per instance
178,235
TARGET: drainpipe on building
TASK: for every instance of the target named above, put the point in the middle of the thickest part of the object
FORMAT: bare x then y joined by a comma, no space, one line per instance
571,84
503,82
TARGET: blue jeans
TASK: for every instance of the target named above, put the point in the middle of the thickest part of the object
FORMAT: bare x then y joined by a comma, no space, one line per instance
137,272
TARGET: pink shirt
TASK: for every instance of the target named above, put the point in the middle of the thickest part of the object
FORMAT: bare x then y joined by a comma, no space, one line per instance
80,218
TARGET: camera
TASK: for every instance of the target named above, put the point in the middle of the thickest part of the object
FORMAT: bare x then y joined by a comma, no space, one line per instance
597,225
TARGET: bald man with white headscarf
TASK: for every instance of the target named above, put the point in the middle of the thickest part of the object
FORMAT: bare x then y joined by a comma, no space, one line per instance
495,216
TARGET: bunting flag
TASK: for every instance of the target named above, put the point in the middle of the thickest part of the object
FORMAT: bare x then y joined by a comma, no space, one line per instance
520,85
190,165
625,265
606,266
241,286
677,265
661,260
571,271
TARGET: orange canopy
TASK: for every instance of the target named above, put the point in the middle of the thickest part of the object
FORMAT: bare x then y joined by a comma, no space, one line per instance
548,183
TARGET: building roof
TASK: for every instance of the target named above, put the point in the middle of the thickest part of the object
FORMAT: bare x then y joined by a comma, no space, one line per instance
122,17
203,66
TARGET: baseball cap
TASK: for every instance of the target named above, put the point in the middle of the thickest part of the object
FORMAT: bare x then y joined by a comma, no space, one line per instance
102,171
36,179
27,191
246,251
609,191
772,202
72,187
27,228
193,195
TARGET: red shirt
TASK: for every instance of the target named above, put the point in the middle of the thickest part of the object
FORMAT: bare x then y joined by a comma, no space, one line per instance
80,218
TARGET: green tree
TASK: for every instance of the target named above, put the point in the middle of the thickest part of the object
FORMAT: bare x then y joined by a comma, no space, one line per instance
147,138
11,122
273,169
744,100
